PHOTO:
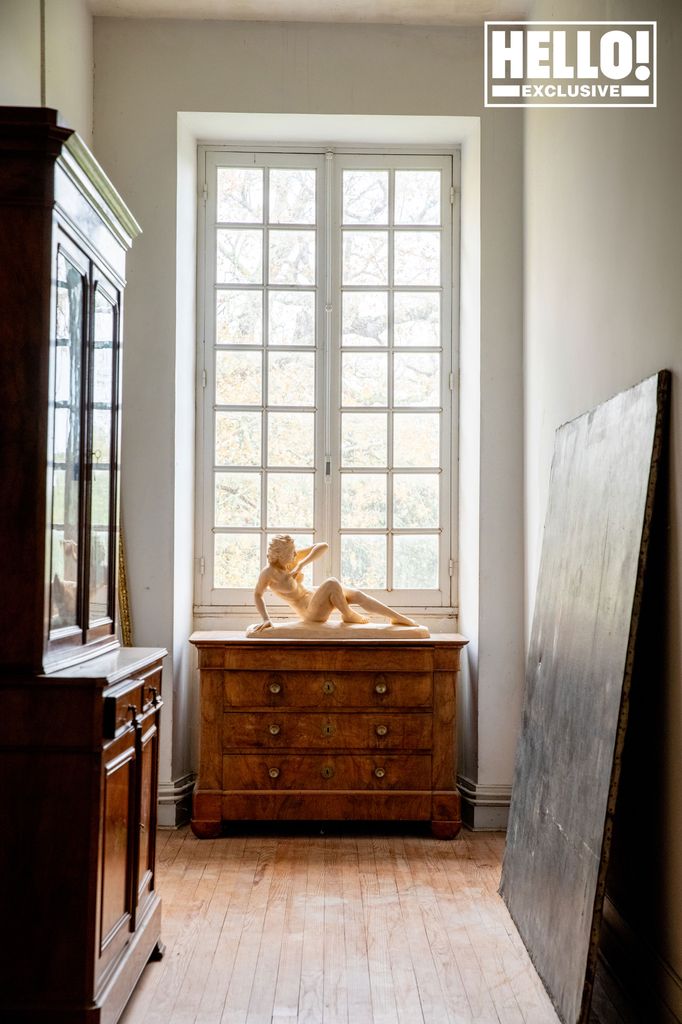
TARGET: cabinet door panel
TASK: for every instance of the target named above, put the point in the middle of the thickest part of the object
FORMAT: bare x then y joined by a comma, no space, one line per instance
148,760
117,848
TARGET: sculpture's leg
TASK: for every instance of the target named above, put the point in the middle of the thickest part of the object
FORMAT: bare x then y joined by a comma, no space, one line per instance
331,595
371,604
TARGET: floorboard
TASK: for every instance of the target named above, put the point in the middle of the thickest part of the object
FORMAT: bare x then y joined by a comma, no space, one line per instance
340,927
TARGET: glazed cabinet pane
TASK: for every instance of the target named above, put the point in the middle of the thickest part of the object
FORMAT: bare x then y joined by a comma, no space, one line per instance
102,455
70,305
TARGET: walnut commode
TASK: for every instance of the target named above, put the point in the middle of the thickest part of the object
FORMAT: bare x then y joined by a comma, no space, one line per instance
324,730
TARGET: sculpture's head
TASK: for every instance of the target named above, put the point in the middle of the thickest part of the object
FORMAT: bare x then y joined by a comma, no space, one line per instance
281,550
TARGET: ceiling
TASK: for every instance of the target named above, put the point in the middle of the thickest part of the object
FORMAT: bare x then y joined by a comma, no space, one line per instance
395,12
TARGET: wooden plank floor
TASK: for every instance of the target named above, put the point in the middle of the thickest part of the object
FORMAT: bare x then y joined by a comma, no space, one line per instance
340,928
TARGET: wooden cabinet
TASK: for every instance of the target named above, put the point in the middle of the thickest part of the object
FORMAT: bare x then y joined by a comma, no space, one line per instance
79,723
352,729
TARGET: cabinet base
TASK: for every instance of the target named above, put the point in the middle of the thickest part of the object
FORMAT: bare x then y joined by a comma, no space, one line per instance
441,809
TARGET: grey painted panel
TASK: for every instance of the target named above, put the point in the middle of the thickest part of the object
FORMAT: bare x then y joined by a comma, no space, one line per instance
578,674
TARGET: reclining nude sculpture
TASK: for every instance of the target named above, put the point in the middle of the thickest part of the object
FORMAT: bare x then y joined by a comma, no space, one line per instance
283,575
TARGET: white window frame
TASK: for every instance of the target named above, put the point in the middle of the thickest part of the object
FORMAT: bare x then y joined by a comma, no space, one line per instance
330,163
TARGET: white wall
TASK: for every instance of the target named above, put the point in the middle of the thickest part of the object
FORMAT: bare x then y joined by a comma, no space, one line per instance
603,309
65,51
148,71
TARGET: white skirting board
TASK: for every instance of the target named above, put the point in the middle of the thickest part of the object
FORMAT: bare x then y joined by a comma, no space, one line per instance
175,801
485,808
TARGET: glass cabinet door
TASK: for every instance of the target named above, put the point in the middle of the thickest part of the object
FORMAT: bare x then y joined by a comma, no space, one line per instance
102,408
67,430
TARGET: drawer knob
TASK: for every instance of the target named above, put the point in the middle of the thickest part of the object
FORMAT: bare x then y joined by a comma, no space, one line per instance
274,729
273,773
327,772
380,772
155,694
132,711
275,686
328,686
381,685
327,729
381,730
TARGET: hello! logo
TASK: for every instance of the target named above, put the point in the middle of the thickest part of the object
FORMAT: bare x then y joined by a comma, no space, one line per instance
570,64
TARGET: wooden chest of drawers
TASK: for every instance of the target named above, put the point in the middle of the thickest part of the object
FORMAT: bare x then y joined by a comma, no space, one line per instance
321,730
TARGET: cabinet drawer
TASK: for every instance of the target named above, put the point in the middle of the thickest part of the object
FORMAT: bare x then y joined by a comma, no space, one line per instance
138,692
327,689
326,771
273,730
271,656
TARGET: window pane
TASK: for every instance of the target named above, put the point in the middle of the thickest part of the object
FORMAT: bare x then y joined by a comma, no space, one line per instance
240,195
237,438
238,378
363,501
292,196
240,256
365,318
236,559
363,378
415,501
363,561
416,318
416,378
239,318
237,499
302,541
417,258
365,197
416,439
291,439
415,563
292,318
291,378
292,257
365,257
417,197
290,501
363,439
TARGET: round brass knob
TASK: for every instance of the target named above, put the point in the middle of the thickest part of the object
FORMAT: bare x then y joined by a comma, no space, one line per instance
275,687
381,687
381,730
274,729
380,772
328,686
273,773
327,772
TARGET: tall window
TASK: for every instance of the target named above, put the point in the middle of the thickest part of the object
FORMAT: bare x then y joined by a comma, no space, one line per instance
326,364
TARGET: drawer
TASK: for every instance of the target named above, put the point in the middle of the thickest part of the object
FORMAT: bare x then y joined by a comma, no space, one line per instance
278,771
277,730
327,689
353,656
139,692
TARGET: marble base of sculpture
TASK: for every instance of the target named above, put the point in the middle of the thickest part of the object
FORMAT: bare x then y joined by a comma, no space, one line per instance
294,629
